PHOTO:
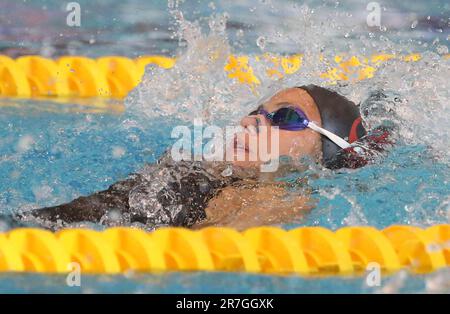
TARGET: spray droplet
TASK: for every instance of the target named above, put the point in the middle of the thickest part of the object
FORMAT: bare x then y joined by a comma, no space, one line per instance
414,24
25,143
409,208
118,152
227,172
442,50
261,42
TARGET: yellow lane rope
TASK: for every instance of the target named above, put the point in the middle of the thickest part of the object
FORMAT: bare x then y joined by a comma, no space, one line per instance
304,251
115,76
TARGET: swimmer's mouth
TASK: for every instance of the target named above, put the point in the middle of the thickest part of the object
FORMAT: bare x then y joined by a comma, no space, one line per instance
238,145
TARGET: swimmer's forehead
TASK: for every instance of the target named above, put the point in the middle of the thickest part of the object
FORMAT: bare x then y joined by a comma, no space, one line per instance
270,100
280,99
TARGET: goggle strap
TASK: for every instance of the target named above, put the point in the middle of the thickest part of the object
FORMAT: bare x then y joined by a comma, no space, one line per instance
339,141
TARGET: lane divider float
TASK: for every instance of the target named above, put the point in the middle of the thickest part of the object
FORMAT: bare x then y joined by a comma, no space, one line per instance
268,250
115,76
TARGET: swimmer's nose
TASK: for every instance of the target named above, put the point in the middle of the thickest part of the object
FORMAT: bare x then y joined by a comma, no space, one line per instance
253,122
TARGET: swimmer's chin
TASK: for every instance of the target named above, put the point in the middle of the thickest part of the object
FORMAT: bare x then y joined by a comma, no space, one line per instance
246,164
240,156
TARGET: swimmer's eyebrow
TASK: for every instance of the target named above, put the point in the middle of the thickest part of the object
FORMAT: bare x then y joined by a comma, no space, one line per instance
255,112
278,105
284,104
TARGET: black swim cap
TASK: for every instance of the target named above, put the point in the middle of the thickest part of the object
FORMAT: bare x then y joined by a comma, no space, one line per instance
339,116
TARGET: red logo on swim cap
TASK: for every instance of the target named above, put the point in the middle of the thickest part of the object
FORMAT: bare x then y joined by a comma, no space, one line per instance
353,136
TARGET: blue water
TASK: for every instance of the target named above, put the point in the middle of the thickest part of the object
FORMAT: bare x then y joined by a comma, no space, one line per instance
73,154
137,27
51,153
409,195
204,283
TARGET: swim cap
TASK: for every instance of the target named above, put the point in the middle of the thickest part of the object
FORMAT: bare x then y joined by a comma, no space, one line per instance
339,116
364,150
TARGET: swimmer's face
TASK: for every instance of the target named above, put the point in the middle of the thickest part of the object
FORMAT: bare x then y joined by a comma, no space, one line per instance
295,144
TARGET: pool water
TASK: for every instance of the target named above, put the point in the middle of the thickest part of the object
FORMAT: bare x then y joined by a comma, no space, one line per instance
51,153
77,153
138,27
49,158
204,283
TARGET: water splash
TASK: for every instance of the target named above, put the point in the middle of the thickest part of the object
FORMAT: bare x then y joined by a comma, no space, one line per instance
197,86
415,98
409,186
411,96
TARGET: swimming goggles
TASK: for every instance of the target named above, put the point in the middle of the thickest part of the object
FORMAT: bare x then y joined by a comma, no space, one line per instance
293,119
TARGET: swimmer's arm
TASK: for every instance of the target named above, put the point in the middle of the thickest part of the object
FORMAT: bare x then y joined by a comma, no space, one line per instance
244,207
